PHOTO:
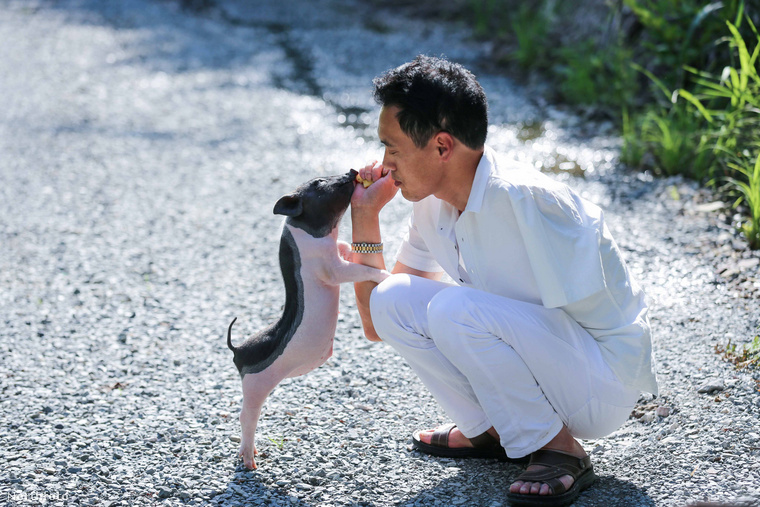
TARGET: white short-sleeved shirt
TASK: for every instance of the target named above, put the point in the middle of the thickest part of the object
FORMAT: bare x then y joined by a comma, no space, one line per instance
528,237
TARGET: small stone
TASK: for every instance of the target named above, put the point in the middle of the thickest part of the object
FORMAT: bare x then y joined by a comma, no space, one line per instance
164,492
710,387
662,411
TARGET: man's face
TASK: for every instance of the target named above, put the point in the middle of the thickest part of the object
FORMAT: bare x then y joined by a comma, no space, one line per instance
415,170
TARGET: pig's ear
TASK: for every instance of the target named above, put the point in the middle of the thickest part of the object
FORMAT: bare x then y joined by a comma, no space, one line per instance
289,205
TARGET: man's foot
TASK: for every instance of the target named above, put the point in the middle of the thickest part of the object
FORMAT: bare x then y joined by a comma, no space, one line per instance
448,441
538,488
456,437
557,484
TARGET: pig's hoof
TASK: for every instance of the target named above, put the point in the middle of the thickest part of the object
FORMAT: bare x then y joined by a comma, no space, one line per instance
247,455
249,462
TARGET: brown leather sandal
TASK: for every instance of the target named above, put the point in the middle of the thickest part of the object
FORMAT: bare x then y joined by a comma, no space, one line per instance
557,464
485,446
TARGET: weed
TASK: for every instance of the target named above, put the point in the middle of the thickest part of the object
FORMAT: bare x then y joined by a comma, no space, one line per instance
746,357
279,442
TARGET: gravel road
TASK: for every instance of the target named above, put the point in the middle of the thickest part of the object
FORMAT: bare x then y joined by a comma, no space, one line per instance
142,147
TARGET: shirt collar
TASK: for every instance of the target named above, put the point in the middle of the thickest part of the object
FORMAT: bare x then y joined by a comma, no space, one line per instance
480,182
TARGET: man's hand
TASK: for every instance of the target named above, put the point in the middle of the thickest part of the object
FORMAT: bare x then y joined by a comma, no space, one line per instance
370,200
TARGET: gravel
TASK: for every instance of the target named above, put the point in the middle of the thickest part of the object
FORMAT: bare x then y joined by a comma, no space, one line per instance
142,147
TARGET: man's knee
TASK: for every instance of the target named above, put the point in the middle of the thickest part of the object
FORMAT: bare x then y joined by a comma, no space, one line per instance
444,313
383,304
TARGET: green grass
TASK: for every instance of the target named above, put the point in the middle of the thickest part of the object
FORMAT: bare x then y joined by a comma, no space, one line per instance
278,441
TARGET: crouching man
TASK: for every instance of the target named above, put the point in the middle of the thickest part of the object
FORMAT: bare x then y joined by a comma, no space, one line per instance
544,337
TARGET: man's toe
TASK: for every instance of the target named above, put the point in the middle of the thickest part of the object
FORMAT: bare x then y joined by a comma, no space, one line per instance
426,436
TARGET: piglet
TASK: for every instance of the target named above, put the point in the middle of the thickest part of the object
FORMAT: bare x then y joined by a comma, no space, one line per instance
312,264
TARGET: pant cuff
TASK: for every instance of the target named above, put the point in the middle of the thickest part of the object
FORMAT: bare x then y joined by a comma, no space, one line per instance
553,431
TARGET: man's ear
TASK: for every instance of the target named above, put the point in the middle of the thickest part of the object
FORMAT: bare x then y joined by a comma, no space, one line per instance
289,205
444,143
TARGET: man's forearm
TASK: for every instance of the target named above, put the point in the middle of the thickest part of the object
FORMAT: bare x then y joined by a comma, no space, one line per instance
366,229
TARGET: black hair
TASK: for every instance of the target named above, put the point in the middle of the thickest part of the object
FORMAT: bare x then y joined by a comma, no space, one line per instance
434,94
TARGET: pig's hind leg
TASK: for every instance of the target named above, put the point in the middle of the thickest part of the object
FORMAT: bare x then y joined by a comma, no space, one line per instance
256,388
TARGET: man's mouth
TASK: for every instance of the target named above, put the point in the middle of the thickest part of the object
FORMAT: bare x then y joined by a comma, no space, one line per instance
396,182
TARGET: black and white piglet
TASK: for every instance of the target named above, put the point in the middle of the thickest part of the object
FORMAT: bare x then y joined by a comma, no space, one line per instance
313,267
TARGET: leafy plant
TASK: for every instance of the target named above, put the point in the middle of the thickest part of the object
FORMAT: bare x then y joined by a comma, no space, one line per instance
715,127
731,105
680,33
750,191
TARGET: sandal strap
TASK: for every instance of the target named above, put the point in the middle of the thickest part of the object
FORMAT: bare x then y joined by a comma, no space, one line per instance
557,464
440,436
485,441
571,465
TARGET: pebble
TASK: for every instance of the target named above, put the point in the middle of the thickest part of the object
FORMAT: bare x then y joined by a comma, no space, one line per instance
711,387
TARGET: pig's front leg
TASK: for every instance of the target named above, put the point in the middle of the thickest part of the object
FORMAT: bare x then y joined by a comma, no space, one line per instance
256,388
340,270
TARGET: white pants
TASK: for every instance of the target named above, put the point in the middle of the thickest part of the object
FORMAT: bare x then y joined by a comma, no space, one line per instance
492,361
